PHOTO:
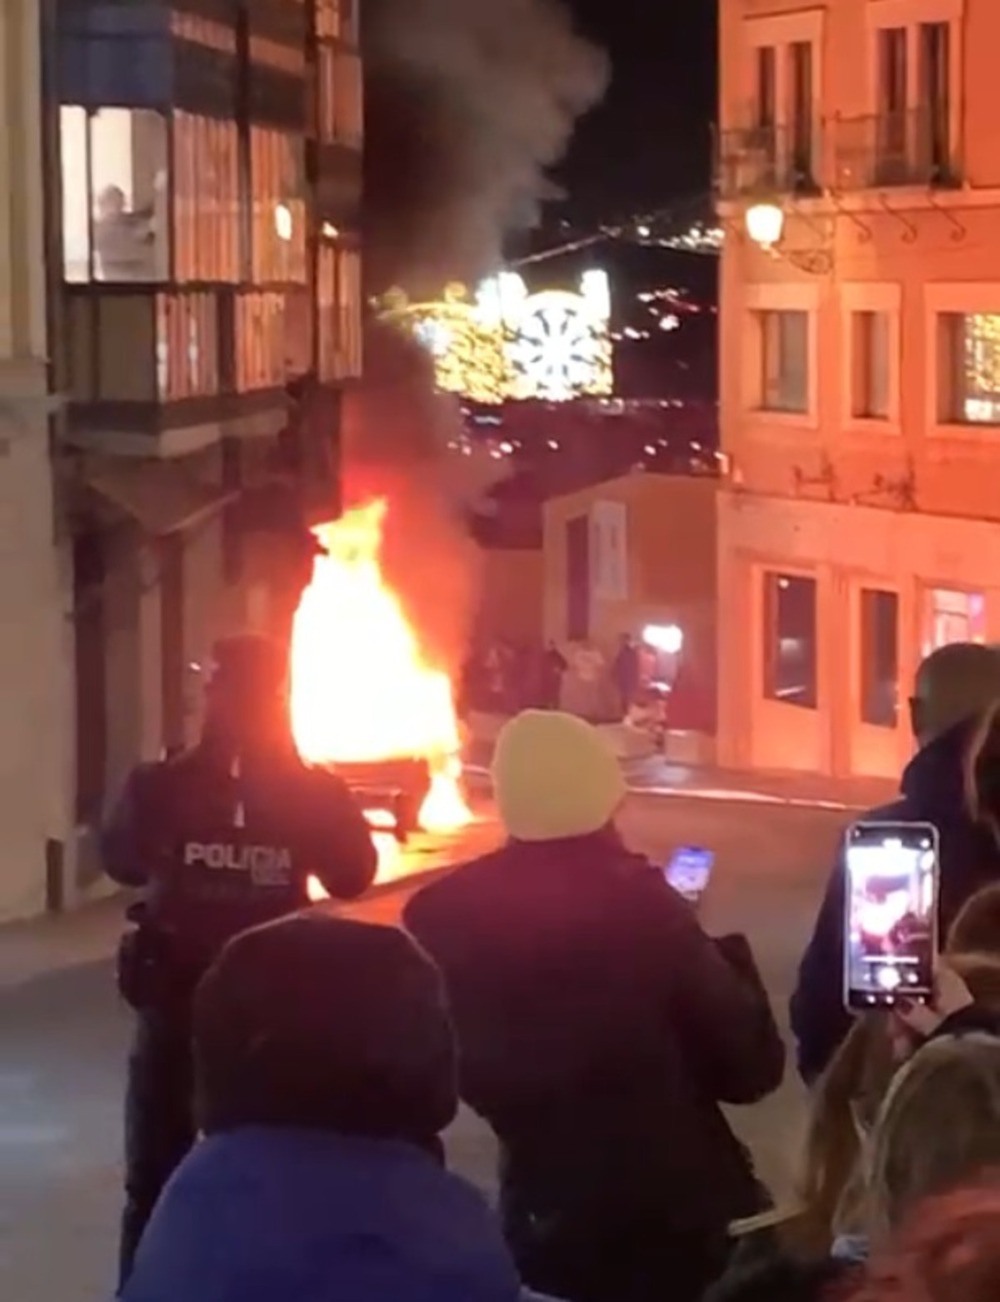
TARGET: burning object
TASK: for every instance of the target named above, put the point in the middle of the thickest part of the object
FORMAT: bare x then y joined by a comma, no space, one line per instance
365,700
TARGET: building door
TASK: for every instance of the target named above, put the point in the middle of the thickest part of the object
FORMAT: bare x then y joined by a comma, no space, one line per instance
578,578
90,662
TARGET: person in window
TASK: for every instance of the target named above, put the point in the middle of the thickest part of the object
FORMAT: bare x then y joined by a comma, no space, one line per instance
599,1028
954,685
123,240
325,1068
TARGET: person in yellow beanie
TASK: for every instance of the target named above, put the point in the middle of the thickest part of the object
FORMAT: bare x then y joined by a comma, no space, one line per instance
555,777
599,1029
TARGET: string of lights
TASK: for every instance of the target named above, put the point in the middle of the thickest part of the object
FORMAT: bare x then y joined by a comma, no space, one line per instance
657,229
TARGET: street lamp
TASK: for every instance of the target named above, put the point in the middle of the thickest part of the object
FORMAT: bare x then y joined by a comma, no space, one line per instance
765,224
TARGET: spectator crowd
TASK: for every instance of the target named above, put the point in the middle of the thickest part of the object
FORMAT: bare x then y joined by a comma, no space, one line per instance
563,991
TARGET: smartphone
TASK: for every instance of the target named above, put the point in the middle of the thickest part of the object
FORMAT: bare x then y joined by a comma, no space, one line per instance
890,915
689,870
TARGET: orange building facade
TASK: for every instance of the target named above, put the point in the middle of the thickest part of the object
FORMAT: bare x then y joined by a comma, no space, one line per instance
859,521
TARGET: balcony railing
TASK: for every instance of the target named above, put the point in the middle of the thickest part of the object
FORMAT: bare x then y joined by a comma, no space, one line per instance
767,159
906,147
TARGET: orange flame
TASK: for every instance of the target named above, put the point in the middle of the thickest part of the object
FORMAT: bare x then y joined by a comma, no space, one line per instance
362,689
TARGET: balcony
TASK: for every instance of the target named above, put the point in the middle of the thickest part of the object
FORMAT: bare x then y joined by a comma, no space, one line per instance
752,162
145,361
911,147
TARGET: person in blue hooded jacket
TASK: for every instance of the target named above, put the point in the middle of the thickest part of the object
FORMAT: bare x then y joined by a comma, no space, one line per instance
954,686
325,1071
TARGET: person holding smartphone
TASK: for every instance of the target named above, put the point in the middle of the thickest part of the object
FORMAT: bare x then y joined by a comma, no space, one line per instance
954,686
599,1031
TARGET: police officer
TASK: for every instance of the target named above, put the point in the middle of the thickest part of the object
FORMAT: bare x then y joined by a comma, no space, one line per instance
222,837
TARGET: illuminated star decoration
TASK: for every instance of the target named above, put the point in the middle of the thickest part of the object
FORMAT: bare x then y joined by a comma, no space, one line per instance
509,344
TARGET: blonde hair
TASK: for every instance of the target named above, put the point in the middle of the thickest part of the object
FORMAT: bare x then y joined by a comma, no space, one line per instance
982,755
938,1127
845,1106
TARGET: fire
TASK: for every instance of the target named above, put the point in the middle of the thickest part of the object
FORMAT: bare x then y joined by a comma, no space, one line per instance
362,688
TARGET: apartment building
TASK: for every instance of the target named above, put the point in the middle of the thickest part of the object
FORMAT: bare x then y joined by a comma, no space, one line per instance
858,174
181,240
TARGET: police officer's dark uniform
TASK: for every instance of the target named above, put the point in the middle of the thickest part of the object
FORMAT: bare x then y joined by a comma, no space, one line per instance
223,837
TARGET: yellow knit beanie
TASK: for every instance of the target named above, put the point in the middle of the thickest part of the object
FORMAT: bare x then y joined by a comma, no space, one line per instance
554,777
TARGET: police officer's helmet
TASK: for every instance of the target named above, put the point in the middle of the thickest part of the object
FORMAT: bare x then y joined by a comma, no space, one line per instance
248,667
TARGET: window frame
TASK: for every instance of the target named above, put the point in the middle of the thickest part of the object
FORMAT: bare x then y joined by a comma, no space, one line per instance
770,586
878,299
779,297
866,682
952,299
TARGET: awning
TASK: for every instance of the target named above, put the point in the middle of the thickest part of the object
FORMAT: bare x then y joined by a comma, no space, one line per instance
160,496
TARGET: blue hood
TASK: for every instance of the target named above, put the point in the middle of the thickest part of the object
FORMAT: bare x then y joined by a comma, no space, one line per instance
296,1216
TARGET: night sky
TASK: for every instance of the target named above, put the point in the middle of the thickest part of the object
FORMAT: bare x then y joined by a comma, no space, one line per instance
650,141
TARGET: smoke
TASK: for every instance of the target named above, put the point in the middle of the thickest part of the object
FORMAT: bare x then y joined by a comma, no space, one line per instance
396,436
468,103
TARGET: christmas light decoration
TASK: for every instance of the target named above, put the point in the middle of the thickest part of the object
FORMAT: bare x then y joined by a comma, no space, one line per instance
507,343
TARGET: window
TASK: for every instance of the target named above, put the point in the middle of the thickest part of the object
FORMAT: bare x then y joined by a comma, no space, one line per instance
879,657
953,616
892,101
935,98
211,33
765,107
339,310
261,361
871,365
278,240
187,345
206,199
115,195
340,96
784,359
790,652
969,367
336,20
800,110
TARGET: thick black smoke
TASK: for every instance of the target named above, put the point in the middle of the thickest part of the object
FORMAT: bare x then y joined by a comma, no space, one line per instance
468,103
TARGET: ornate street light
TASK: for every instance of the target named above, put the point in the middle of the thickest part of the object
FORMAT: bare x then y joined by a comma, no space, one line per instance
765,223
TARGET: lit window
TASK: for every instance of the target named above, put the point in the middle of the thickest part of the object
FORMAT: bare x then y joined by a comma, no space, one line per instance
115,195
970,368
276,168
340,96
206,199
784,361
790,640
261,348
879,652
339,310
187,345
870,365
336,20
953,616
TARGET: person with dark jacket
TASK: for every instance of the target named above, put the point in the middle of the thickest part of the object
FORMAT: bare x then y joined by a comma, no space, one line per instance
599,1029
954,685
325,1068
222,837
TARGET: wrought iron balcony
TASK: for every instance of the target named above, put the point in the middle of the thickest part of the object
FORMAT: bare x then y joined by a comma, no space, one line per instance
901,148
767,159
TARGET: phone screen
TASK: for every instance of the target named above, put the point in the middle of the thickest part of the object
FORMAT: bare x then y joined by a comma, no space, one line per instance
689,870
891,916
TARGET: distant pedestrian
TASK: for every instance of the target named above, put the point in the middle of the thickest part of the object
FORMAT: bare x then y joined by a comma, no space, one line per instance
625,673
553,666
